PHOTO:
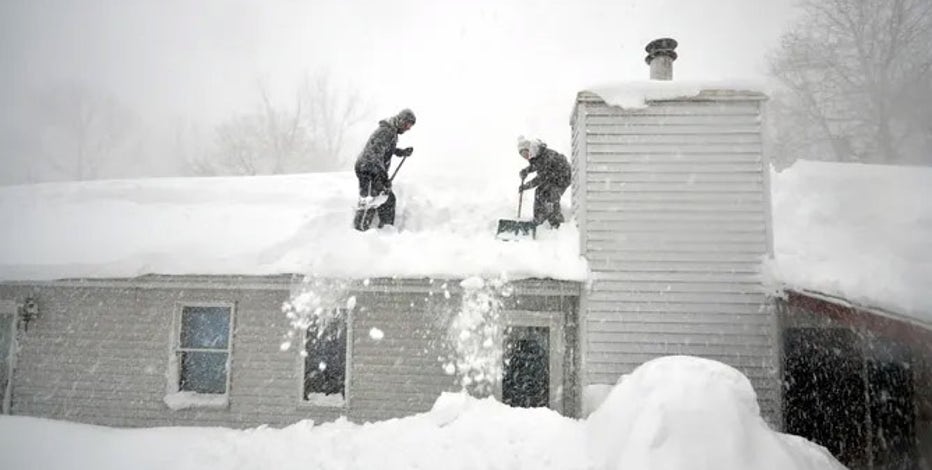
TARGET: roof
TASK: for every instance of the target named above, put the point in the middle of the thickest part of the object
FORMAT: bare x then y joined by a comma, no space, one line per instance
856,231
262,225
637,94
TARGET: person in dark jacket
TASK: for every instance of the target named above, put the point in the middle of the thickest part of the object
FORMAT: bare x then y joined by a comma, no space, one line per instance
372,171
553,177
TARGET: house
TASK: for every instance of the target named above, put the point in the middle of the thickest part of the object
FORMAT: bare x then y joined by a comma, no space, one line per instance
672,194
239,302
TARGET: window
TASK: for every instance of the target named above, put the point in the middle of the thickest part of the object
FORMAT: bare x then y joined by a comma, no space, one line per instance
200,362
7,352
325,359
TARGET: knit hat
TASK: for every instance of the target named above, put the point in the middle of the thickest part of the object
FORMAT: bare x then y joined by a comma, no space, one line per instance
523,143
406,116
533,146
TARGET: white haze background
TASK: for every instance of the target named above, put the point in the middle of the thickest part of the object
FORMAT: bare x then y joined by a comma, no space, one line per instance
477,73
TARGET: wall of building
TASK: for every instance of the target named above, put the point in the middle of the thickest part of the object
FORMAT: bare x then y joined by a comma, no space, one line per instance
673,202
99,350
883,419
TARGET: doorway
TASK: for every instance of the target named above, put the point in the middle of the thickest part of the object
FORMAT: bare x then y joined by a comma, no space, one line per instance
526,371
533,360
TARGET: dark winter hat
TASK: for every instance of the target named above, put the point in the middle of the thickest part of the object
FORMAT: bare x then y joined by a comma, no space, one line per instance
406,116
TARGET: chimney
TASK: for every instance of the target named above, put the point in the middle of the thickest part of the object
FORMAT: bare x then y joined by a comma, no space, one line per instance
660,57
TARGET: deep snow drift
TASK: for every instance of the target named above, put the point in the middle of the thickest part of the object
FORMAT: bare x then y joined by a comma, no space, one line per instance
271,225
671,413
861,232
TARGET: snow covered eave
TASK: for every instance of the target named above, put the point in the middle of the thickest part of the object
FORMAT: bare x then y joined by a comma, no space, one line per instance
636,95
540,286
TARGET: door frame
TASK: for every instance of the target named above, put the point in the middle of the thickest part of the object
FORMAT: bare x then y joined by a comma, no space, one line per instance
8,307
554,321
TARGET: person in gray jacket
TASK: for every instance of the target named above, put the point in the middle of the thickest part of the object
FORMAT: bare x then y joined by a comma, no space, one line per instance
372,171
553,177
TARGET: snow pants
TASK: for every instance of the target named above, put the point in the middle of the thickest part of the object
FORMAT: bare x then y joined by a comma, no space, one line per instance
547,204
373,182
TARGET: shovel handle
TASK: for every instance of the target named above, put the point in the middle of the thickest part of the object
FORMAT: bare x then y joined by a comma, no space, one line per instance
402,162
520,199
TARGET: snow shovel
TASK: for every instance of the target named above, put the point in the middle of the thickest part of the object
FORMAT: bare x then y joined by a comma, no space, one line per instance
514,229
372,202
365,210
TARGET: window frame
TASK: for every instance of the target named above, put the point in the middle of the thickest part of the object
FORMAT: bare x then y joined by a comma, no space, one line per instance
320,400
9,307
554,321
196,399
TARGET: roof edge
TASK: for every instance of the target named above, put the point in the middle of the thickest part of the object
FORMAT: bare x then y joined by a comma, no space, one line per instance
871,309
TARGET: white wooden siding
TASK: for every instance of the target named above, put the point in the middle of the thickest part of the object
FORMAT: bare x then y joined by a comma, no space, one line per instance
399,374
98,351
674,197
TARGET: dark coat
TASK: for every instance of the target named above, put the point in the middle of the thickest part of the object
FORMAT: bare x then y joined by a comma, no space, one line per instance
376,156
552,168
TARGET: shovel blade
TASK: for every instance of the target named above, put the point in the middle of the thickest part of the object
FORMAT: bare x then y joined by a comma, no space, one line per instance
510,229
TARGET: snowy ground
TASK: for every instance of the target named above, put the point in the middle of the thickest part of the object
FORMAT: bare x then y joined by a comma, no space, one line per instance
860,232
671,413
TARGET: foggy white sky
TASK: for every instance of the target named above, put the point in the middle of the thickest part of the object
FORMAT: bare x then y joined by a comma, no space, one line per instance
476,73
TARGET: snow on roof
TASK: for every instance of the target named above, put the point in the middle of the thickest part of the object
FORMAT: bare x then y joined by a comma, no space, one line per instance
271,225
636,94
860,232
856,231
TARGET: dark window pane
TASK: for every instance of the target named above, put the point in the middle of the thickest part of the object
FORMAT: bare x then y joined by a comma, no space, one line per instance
526,373
325,364
205,327
203,372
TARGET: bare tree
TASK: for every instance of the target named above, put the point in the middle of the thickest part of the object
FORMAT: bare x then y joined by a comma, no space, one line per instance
332,113
80,131
308,134
856,80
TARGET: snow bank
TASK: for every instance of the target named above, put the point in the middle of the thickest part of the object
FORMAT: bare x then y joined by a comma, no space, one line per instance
671,413
636,94
461,433
686,412
270,225
857,231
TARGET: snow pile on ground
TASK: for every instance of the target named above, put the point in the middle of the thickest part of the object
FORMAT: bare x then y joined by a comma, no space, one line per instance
445,227
636,94
671,413
857,231
691,413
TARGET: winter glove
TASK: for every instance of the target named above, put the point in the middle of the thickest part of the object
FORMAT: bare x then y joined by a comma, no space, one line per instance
522,188
405,152
523,173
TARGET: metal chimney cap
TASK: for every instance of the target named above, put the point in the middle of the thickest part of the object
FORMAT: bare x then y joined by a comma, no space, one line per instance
660,47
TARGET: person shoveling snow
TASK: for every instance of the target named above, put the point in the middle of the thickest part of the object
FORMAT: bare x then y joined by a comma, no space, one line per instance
553,177
375,186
